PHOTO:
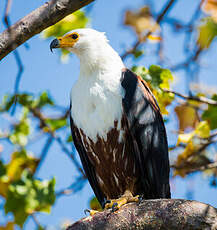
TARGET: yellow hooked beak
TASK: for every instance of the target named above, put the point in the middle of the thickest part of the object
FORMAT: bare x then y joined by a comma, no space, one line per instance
66,41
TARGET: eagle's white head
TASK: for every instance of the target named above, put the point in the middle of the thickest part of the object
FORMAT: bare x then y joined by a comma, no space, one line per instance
91,47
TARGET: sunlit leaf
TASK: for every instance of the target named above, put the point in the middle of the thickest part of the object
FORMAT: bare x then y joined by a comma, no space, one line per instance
138,53
69,139
203,129
142,72
210,7
187,117
8,226
157,78
21,130
95,205
211,114
55,124
185,137
20,160
164,99
4,182
70,22
42,100
207,32
141,21
29,195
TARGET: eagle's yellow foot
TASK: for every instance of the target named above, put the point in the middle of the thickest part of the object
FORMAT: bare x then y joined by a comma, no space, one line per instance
127,197
91,212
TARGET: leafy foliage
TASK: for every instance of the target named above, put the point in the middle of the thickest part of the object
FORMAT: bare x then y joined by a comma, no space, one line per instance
211,114
158,79
23,194
207,32
94,204
28,195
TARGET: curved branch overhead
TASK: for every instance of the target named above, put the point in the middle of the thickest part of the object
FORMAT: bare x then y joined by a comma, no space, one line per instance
162,214
41,18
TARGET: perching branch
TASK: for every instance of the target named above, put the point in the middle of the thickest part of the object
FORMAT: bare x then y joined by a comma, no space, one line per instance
41,18
161,214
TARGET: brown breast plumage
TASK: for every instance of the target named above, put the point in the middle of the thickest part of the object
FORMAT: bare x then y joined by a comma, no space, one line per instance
113,160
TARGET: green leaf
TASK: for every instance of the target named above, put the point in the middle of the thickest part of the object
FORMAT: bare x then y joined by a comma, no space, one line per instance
142,72
138,53
160,77
2,169
207,32
25,99
94,204
44,99
7,102
21,160
69,139
55,124
211,114
70,22
21,130
29,195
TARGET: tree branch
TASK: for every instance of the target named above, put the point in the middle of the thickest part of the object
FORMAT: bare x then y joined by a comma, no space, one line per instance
194,98
161,214
41,18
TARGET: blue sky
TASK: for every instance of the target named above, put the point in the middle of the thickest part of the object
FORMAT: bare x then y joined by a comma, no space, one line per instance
43,71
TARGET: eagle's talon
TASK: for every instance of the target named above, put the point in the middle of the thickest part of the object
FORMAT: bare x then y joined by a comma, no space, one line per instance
140,198
85,211
91,212
107,201
115,207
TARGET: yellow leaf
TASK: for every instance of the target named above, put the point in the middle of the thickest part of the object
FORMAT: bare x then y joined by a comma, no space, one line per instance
154,38
163,99
203,129
19,162
210,7
185,137
70,22
141,20
187,116
207,32
4,183
9,226
95,205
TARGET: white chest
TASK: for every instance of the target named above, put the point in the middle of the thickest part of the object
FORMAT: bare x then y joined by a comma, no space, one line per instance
96,104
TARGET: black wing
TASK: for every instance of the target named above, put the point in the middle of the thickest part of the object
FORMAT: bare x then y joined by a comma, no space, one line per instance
87,166
149,136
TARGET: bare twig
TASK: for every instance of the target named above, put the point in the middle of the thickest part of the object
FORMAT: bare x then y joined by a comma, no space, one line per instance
158,20
16,54
194,98
44,152
73,188
37,223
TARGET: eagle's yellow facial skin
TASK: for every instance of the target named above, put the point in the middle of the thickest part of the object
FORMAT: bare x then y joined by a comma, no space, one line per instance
68,40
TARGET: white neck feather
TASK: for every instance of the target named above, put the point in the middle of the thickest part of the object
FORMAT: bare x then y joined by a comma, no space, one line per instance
97,95
98,58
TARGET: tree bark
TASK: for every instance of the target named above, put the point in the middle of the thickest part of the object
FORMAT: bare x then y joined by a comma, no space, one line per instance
41,18
161,214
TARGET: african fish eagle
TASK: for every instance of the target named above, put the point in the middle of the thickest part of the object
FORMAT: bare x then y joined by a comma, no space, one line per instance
116,124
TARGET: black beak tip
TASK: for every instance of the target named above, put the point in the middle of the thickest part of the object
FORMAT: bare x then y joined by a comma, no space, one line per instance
54,44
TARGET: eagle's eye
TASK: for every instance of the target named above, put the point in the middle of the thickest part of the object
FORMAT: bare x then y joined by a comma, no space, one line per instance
74,36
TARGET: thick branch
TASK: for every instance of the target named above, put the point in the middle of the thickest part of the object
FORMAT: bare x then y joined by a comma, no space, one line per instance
158,214
41,18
